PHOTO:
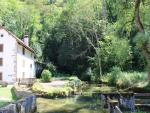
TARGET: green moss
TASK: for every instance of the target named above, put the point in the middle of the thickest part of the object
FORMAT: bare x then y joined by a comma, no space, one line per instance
8,94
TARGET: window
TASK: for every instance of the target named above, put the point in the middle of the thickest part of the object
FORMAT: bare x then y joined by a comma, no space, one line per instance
30,65
23,51
1,47
1,35
1,78
1,61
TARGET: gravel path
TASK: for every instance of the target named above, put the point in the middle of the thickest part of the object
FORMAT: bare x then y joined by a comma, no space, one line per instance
57,83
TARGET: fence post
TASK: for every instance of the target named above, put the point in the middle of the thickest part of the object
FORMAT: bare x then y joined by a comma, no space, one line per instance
112,104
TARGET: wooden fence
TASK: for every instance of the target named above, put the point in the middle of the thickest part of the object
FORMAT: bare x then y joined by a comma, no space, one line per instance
25,81
114,100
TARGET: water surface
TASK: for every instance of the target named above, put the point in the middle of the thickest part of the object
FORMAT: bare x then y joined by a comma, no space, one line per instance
74,104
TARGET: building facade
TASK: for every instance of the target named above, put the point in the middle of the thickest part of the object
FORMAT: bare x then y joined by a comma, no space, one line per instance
16,58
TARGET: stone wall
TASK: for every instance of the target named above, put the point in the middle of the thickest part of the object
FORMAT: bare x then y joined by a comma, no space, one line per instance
25,105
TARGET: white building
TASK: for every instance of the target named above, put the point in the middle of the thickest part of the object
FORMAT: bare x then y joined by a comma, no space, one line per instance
16,58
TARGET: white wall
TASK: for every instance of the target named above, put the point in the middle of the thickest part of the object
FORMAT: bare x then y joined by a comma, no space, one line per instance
13,59
27,60
9,56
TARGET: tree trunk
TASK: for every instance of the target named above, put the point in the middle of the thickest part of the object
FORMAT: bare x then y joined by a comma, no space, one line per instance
104,10
140,28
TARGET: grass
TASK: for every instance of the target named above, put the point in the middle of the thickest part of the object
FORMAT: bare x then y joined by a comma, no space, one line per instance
7,95
125,79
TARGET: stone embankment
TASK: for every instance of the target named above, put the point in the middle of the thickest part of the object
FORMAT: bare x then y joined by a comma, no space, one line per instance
24,105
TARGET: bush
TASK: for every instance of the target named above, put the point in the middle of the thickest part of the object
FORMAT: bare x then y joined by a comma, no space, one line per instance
127,79
57,74
59,92
52,92
86,76
114,51
113,76
72,85
46,76
37,87
134,79
51,67
75,83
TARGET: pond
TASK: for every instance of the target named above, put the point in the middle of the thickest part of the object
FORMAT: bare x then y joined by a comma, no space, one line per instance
88,102
74,104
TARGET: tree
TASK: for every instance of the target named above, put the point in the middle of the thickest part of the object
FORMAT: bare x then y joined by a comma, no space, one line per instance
74,35
21,19
145,41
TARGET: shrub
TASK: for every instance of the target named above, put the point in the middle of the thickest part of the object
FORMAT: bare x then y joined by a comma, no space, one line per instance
59,92
127,79
114,52
51,67
72,85
57,74
113,76
37,87
134,79
74,82
86,76
46,75
52,92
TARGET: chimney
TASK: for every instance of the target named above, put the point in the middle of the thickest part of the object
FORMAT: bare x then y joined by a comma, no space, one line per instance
26,40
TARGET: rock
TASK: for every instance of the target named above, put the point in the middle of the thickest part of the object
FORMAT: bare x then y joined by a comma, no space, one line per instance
3,84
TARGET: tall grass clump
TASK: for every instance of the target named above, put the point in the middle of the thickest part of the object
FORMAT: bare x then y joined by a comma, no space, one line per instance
127,79
113,76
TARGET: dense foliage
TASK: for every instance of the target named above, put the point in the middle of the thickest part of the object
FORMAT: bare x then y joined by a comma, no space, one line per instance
46,76
126,79
83,37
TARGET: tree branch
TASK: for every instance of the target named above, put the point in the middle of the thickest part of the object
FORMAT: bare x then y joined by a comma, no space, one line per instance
138,22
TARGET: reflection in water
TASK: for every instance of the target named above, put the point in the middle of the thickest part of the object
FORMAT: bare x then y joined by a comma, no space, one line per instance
75,104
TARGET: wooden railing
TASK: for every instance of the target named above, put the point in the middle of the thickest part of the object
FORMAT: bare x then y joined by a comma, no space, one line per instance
118,109
113,106
114,100
25,81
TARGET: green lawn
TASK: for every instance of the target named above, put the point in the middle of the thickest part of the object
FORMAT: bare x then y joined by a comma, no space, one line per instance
7,95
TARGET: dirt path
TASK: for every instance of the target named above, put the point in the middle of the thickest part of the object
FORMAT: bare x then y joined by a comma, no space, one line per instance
56,83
